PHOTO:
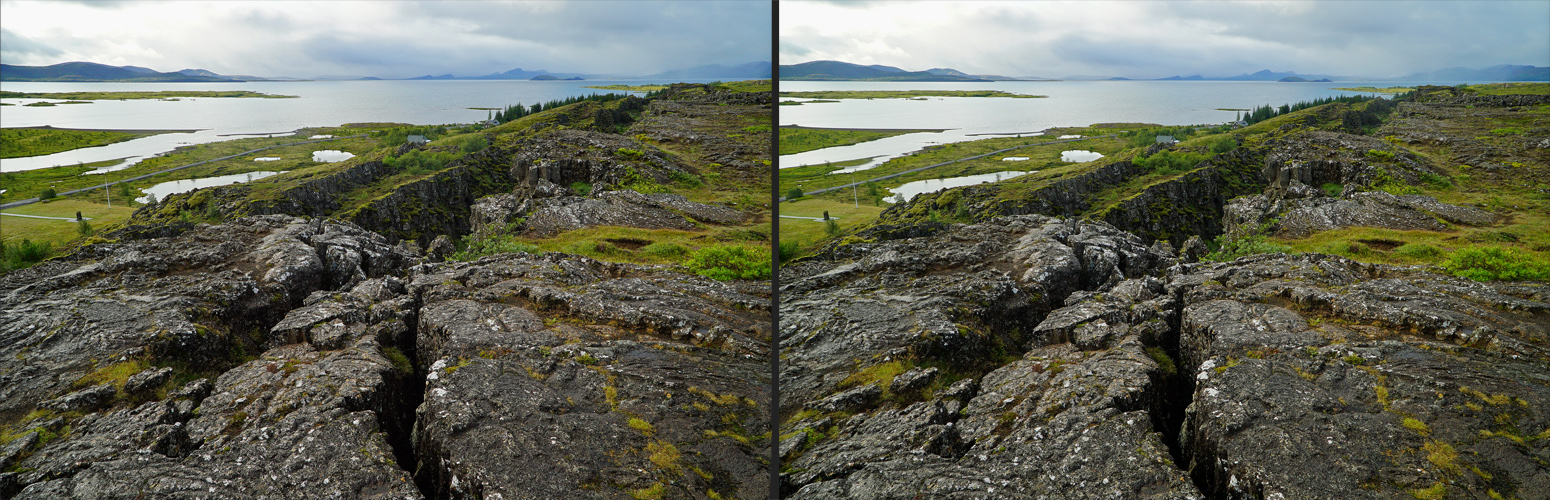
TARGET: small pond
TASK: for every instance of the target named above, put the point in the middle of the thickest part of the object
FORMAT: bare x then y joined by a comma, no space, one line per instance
909,190
1079,156
331,156
1015,158
1070,137
267,158
162,190
324,136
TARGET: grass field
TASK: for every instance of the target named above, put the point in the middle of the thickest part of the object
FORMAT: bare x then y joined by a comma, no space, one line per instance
809,234
159,94
633,88
29,183
1380,90
59,232
797,140
20,142
902,94
1511,88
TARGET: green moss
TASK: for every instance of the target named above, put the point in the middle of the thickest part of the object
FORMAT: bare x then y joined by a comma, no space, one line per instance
643,426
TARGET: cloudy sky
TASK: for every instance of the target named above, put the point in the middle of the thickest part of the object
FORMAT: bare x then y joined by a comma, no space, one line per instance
387,39
1141,39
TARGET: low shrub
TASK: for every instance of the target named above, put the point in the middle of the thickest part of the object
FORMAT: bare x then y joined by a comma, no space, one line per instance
23,254
1496,263
727,262
665,250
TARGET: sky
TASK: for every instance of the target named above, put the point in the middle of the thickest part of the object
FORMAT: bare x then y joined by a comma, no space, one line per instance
387,39
1154,39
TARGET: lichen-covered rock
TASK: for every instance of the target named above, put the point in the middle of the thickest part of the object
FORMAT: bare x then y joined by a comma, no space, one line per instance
1320,377
551,216
98,337
557,376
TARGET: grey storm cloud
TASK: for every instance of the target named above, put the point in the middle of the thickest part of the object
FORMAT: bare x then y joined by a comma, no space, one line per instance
392,39
14,45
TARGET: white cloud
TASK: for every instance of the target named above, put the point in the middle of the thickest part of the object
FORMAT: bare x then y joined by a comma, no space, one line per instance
1156,39
390,39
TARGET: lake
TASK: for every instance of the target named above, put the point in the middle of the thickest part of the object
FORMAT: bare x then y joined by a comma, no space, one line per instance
910,189
319,104
1070,103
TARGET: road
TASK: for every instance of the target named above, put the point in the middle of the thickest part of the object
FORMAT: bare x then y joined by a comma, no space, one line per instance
911,171
42,217
30,201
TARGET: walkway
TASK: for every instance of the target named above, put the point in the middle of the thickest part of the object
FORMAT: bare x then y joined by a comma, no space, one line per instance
30,201
911,171
71,219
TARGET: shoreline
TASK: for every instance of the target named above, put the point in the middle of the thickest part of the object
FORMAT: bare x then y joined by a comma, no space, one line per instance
932,130
123,130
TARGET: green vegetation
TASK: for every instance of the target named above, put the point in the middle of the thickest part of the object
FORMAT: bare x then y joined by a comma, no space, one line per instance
516,111
1377,90
1537,88
1497,263
798,140
729,262
902,94
20,142
22,254
1266,112
632,88
126,95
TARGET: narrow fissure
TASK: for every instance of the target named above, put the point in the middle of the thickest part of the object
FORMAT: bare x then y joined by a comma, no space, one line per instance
1177,391
410,394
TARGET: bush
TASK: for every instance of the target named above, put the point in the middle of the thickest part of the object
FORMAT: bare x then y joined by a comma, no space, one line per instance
474,143
831,228
84,228
47,194
476,247
1333,189
727,262
789,249
24,254
1496,263
685,179
1224,144
793,193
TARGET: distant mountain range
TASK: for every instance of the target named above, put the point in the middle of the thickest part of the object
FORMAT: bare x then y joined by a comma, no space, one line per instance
843,71
836,70
93,72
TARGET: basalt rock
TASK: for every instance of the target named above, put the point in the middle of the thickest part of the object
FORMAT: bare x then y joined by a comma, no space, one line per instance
130,321
562,377
1272,376
624,208
1320,377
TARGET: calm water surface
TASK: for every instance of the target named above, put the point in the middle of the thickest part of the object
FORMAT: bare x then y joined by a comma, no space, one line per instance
910,189
1069,104
319,104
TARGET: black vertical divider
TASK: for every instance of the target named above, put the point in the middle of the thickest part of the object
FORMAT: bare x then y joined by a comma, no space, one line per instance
775,419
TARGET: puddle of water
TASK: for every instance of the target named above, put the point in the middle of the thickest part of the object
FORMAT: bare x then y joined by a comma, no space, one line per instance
1070,137
909,190
331,156
162,190
1079,156
267,158
1015,158
128,162
325,136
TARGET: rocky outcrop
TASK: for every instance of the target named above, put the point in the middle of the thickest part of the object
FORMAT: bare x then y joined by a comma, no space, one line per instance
558,376
99,343
1320,377
1074,362
626,209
